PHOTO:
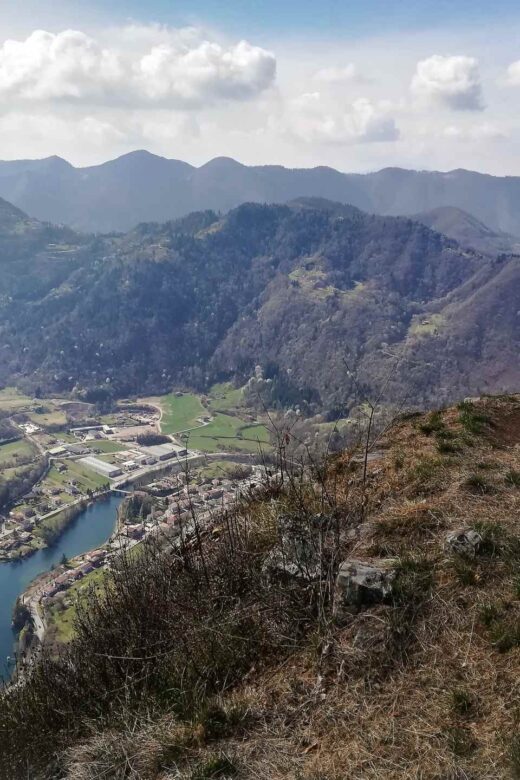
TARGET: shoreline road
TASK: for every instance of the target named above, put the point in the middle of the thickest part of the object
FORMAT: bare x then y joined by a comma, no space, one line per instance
39,626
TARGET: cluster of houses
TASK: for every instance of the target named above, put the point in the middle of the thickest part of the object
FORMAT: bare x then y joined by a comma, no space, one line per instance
89,562
14,540
18,526
168,516
47,497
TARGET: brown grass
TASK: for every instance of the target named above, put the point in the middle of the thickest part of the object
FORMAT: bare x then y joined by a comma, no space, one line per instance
418,689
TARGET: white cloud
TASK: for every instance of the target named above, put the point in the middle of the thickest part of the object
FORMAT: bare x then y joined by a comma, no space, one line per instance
346,74
67,65
45,134
181,70
513,74
450,81
315,121
480,132
205,72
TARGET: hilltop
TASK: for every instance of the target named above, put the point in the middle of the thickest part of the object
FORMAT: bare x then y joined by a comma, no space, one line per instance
337,623
143,187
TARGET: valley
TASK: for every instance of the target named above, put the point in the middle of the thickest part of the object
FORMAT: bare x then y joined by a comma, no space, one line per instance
259,390
140,448
93,455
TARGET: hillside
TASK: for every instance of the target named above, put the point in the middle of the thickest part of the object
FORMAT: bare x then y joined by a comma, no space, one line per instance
301,290
142,187
334,625
468,231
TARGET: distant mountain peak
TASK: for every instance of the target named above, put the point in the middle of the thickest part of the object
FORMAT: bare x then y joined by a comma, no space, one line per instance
139,154
222,163
143,187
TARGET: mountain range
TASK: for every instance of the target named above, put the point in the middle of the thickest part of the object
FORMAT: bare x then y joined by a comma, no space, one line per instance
141,187
310,290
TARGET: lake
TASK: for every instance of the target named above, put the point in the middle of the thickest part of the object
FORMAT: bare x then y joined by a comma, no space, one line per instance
90,529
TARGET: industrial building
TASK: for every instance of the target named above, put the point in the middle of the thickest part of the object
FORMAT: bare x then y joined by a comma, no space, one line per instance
165,451
101,467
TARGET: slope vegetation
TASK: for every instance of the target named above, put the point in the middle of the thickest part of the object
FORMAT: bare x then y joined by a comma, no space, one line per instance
239,654
303,290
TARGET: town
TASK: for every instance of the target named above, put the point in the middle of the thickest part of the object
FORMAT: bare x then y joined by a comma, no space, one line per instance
163,511
176,457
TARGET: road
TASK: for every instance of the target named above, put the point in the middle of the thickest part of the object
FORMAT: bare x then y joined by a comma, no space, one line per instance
39,626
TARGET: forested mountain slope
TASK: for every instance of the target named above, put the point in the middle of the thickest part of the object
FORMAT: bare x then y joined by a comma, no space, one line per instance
302,290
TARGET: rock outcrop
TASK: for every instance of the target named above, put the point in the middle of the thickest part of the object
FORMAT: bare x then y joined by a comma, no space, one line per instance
464,541
363,582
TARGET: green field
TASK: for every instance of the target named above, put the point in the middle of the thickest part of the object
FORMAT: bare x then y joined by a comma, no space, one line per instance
225,433
224,397
50,417
180,412
11,400
219,468
16,449
256,432
86,478
426,326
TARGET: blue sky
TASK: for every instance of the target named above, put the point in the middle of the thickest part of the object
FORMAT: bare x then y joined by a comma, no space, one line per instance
329,17
354,85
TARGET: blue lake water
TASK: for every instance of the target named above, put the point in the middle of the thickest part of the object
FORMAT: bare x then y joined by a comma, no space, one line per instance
89,530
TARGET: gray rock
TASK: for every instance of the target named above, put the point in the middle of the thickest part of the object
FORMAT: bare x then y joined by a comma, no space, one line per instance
363,582
297,553
278,563
464,541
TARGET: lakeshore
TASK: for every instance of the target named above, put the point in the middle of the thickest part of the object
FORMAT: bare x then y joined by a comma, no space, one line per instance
89,530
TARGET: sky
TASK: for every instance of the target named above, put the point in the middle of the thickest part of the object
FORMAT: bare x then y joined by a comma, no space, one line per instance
354,84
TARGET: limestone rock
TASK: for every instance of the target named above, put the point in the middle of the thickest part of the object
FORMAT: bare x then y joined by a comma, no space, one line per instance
363,582
464,541
297,554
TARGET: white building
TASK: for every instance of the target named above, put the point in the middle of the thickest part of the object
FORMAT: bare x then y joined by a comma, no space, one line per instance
101,467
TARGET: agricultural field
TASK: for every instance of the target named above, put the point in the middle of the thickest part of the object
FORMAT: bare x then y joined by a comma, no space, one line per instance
219,468
223,397
13,451
180,412
86,478
232,429
13,401
226,433
258,433
48,418
426,326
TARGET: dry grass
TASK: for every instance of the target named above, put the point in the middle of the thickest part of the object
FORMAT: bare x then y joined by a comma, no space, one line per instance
449,707
424,688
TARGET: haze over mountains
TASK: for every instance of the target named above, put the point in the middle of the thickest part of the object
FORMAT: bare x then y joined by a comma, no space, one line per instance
296,288
142,187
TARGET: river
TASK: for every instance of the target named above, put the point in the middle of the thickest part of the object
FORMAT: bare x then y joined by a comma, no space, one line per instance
90,529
